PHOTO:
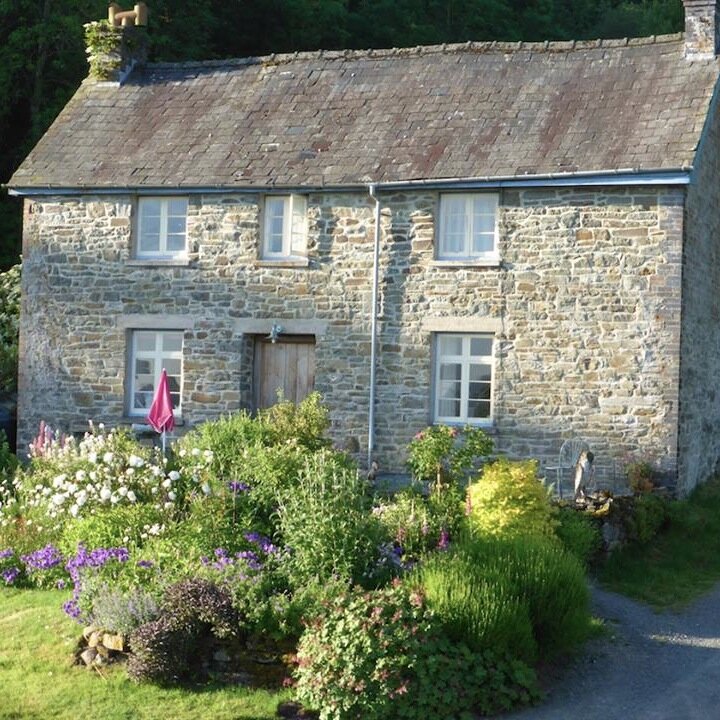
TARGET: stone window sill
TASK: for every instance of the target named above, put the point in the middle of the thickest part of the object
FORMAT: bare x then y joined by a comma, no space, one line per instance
140,420
488,263
284,262
158,262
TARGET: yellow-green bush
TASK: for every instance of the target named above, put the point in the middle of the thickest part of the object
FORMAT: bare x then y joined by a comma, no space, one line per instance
509,500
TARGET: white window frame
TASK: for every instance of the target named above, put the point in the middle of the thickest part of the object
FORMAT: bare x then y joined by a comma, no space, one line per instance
465,360
294,232
157,356
162,253
466,254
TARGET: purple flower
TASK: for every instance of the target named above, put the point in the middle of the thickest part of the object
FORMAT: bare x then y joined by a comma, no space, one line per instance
60,584
10,575
237,487
5,554
145,563
262,543
45,559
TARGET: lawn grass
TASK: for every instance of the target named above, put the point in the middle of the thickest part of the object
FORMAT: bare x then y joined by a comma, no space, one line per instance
37,680
681,563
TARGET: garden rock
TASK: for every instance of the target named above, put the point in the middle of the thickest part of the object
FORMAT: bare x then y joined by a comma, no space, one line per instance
88,655
113,642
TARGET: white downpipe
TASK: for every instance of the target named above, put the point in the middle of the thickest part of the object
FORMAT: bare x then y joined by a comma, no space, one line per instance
373,328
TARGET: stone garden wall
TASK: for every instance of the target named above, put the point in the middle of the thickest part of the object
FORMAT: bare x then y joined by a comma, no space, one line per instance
584,308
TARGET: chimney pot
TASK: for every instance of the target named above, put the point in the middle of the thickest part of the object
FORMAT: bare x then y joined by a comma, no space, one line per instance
702,24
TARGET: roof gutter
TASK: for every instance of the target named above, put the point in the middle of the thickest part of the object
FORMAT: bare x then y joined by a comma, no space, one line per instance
628,176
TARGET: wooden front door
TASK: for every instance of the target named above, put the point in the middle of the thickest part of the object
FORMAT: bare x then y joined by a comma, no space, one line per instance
287,365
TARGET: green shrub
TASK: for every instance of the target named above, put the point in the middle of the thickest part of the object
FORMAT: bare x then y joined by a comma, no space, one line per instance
379,656
477,607
442,454
649,515
123,612
131,526
549,581
416,522
579,535
306,423
8,461
508,499
326,522
9,326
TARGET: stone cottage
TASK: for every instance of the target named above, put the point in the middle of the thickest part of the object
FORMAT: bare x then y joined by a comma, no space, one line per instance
519,236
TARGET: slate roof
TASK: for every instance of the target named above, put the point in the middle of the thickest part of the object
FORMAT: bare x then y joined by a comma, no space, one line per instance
344,118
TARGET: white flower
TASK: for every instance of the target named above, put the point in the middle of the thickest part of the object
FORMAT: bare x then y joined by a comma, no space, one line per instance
58,499
114,498
81,499
154,490
208,454
130,471
172,495
195,452
167,482
105,494
135,462
122,490
58,481
108,458
74,509
154,529
131,496
101,426
156,471
206,488
93,475
80,475
174,475
183,452
92,457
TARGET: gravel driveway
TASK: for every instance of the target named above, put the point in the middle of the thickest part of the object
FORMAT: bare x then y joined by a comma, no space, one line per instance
656,666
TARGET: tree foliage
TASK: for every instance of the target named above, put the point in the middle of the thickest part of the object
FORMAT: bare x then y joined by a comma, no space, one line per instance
42,56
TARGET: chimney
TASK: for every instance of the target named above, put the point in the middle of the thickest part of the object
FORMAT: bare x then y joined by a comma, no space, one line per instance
702,24
116,45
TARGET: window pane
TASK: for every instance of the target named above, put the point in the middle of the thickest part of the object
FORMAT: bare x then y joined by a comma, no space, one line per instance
175,243
178,208
481,347
484,204
174,385
478,409
176,226
450,345
449,389
142,400
479,391
172,342
449,408
150,209
483,243
145,341
480,373
484,224
149,243
450,372
144,369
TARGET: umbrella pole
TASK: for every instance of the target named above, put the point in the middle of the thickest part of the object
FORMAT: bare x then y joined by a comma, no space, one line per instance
163,443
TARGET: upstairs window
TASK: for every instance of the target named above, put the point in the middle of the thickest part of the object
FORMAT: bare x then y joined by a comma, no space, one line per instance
285,227
150,352
162,228
463,378
468,227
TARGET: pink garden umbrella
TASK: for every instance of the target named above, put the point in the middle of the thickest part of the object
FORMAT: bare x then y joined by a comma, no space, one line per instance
161,411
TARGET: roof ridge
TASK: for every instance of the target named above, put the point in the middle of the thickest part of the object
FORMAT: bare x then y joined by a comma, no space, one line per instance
471,46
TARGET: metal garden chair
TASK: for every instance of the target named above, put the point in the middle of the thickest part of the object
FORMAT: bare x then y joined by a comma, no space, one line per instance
568,458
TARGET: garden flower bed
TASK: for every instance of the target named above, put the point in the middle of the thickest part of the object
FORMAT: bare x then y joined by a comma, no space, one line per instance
256,554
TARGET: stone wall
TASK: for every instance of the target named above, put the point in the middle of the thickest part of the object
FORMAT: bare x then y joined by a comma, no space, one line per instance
699,447
584,308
